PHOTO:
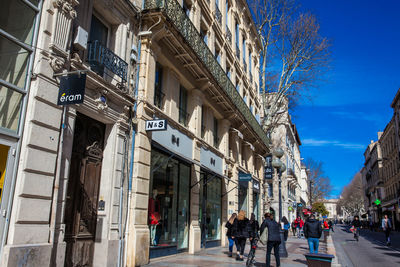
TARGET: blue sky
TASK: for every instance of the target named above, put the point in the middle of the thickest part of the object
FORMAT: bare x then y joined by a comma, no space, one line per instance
353,104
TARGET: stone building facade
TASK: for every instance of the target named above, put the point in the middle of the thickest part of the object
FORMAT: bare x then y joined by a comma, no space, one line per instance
372,180
198,75
285,136
390,172
70,184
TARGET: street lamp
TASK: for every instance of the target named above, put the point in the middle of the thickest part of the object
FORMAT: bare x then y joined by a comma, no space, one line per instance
280,167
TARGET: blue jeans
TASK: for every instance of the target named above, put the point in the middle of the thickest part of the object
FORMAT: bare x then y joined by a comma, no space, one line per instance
231,242
313,244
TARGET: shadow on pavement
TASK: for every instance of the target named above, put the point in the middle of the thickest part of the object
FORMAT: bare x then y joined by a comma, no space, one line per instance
392,254
301,261
382,248
259,264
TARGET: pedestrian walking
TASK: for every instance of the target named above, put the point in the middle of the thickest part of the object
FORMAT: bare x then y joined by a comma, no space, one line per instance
312,232
286,227
241,230
331,226
387,227
294,228
299,223
231,238
274,239
356,224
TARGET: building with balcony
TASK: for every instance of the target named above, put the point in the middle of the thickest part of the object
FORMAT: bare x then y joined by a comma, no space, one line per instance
208,163
285,135
67,178
372,180
331,207
304,189
390,172
396,114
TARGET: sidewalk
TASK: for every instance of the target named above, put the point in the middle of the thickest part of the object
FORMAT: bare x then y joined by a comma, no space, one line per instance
218,256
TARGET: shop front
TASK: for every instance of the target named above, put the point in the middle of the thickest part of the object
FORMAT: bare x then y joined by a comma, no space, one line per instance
244,179
169,193
256,199
210,198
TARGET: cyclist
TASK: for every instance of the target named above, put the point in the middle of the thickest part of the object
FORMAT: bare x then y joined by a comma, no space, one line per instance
253,223
356,224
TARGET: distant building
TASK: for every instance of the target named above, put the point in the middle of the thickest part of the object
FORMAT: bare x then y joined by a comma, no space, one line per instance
331,207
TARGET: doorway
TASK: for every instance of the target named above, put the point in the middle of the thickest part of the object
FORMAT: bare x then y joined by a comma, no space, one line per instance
83,191
210,210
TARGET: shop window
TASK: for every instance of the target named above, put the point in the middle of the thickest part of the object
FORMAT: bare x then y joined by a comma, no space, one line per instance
243,196
210,207
158,94
168,201
14,63
20,26
183,115
10,108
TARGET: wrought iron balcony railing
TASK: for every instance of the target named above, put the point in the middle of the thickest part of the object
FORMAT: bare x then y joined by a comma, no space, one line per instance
100,56
228,35
218,15
237,51
173,10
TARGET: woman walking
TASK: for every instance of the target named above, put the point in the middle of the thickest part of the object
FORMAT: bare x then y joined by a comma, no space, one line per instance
286,227
387,227
241,230
274,238
231,239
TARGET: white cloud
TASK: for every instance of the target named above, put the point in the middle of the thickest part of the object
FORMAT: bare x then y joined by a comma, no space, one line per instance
322,143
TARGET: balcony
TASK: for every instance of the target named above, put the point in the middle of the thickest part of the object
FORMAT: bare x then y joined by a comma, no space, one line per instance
100,57
228,35
175,14
218,15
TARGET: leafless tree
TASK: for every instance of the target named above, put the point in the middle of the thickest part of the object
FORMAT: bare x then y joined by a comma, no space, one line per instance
320,184
293,55
352,197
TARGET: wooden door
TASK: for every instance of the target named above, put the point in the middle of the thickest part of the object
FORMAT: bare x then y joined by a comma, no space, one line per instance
83,191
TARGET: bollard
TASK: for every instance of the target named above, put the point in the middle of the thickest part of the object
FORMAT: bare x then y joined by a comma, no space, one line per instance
319,260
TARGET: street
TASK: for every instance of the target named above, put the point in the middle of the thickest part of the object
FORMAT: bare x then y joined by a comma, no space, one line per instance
369,251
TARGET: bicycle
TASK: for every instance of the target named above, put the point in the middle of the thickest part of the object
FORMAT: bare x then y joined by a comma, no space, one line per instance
250,258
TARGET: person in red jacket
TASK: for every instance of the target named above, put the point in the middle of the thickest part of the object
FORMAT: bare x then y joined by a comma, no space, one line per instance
299,223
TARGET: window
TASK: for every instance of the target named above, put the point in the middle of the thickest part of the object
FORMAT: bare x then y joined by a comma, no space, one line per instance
270,190
216,139
203,34
158,94
186,8
250,61
237,34
217,54
183,115
99,34
237,86
244,50
203,117
226,14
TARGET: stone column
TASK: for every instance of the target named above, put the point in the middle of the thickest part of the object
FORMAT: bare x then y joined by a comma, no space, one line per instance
138,240
195,231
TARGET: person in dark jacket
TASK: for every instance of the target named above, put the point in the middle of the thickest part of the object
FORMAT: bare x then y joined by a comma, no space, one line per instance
312,231
357,225
274,239
229,234
241,230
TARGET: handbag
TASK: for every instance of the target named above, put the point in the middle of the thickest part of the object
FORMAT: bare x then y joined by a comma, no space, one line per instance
264,236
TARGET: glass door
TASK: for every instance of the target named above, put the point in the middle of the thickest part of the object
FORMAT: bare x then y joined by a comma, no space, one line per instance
183,206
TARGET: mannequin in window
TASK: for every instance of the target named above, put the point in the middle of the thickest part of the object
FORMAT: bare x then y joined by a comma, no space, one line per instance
154,217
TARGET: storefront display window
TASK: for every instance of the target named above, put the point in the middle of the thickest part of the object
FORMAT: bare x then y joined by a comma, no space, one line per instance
210,207
243,196
168,201
256,199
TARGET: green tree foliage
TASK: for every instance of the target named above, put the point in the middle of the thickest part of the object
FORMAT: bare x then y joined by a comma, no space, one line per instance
320,208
